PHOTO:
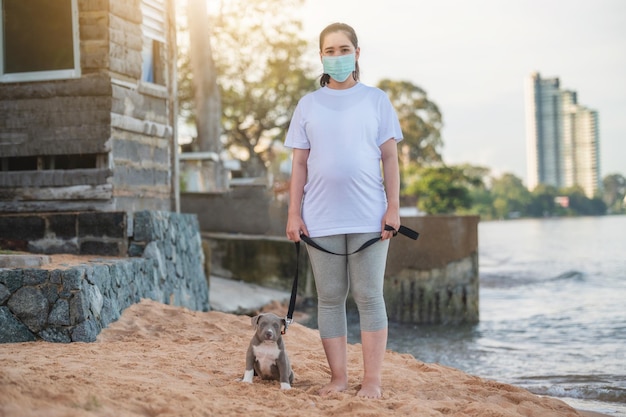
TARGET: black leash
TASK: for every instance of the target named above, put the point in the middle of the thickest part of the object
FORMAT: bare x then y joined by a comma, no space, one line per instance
294,291
410,233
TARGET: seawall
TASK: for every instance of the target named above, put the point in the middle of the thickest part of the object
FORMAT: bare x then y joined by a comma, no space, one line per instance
74,302
432,280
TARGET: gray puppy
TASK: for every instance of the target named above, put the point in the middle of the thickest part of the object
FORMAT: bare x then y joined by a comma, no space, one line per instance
266,355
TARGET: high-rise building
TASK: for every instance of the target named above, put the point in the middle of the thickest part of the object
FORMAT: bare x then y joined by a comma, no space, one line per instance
562,141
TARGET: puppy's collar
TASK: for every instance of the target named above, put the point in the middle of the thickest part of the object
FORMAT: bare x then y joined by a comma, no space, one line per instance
287,321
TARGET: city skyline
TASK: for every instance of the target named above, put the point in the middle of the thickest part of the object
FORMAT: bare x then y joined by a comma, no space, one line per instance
472,59
561,137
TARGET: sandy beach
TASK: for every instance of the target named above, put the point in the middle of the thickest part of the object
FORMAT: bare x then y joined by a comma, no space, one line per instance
159,360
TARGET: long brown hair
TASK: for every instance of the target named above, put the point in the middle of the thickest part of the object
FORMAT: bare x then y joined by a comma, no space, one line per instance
349,31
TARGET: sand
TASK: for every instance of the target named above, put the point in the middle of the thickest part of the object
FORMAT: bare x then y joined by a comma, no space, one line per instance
159,360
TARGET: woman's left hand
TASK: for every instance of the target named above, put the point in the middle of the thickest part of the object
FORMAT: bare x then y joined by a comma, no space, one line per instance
391,218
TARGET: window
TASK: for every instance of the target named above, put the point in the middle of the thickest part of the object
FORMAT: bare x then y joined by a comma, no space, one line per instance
153,62
153,53
38,40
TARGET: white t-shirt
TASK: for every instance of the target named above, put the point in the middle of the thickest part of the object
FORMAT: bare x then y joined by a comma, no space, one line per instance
344,129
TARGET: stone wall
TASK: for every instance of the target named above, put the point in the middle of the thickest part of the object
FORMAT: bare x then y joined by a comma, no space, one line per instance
436,278
72,304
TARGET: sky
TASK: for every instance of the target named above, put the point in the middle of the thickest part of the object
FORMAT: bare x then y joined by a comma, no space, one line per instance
473,56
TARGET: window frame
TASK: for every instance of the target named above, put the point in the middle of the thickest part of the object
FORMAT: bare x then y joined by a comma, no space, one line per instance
154,33
44,75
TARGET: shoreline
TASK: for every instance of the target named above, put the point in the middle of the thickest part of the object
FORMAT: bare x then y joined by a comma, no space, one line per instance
170,361
234,297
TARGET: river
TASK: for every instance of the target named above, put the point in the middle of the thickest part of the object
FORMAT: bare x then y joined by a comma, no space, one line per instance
552,312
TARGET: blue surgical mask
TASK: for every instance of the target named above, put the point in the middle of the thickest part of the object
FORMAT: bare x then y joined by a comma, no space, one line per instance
339,67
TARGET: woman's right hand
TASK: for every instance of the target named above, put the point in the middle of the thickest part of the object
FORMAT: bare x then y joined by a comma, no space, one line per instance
295,227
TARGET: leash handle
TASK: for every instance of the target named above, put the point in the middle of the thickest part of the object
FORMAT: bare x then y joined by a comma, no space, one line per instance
410,233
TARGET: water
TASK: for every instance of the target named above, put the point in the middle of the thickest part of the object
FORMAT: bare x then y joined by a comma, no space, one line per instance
552,312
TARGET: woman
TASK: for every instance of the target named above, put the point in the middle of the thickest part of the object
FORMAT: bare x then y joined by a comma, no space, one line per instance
340,134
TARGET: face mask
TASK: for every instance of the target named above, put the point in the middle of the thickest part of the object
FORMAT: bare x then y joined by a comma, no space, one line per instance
339,67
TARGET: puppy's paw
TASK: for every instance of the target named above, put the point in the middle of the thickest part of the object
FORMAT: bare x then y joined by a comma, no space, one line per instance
247,376
285,385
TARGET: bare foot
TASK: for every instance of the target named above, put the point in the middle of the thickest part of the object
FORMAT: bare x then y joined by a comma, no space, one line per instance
370,390
333,387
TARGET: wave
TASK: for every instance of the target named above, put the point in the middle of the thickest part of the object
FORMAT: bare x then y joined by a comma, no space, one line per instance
569,276
517,279
598,387
604,393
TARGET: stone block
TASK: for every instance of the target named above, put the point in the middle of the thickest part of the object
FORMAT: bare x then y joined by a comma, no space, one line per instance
149,226
22,227
30,306
55,334
4,294
136,249
79,309
52,245
56,276
12,278
73,279
63,226
12,330
34,276
51,292
87,331
98,224
103,248
60,314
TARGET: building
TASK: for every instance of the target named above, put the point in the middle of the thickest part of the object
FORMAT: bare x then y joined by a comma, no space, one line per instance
561,137
87,122
87,106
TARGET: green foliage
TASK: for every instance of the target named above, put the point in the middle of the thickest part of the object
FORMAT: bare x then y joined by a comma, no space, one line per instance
262,73
614,186
441,190
543,203
467,189
511,196
482,203
580,204
420,120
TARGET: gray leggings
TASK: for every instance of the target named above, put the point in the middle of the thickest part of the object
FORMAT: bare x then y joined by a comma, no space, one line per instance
362,273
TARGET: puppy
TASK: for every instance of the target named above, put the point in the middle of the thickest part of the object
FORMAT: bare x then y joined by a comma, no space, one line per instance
266,356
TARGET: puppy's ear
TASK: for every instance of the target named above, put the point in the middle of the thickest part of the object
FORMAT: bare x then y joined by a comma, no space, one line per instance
255,321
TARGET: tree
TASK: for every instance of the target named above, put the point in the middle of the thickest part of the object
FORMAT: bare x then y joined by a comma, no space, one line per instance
477,179
207,99
543,203
580,204
482,203
262,73
511,198
614,186
441,190
420,120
